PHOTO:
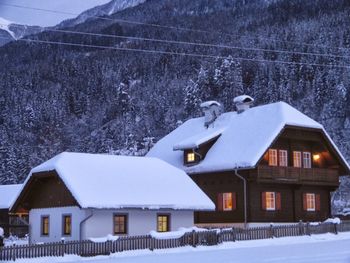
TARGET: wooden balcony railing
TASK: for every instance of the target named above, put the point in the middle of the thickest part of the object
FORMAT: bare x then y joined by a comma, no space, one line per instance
18,221
298,175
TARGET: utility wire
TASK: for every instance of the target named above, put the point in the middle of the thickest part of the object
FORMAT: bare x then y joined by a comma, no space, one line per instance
139,50
189,43
172,27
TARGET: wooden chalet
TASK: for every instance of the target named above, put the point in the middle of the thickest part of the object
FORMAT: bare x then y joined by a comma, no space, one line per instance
12,223
268,163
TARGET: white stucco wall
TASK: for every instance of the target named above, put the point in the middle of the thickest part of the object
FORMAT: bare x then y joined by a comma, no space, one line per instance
100,223
55,223
140,222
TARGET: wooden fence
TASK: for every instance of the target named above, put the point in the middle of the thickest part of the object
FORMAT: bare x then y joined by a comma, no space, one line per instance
203,238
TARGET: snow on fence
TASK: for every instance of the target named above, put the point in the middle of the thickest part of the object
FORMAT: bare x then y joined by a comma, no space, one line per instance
89,248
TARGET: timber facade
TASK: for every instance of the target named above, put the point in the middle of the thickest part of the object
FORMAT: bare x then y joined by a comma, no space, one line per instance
291,182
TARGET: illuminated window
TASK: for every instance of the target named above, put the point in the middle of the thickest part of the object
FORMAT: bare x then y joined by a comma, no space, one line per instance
283,156
307,160
297,159
191,157
272,157
163,223
270,201
45,224
227,201
67,225
120,224
310,202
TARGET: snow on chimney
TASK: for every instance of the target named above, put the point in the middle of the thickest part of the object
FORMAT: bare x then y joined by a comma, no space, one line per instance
211,109
243,102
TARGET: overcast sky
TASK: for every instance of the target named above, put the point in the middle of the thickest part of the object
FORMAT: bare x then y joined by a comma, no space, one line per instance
32,17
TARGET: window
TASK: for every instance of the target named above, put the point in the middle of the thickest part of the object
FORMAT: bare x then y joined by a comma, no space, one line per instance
163,223
45,224
283,157
271,201
307,159
67,225
297,159
120,224
226,201
272,157
311,202
191,157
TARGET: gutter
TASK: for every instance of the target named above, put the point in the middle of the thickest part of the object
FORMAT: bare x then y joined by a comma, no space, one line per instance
82,222
245,196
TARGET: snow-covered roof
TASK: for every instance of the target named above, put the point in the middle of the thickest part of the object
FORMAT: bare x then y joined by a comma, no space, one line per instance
8,194
198,139
109,181
209,103
244,137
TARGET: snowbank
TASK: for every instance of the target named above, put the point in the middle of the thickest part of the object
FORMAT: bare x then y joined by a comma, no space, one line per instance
104,239
1,232
335,220
175,234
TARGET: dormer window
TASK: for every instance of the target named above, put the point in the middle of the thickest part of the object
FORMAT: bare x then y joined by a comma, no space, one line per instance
191,157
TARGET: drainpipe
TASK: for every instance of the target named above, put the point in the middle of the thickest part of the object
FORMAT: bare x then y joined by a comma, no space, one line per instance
82,222
245,196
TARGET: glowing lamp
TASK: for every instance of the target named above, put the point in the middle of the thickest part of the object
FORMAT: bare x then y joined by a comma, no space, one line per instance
316,157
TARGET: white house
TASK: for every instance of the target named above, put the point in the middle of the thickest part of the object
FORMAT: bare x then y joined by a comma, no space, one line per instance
79,196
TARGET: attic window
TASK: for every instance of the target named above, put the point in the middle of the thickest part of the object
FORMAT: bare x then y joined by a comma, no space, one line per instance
191,157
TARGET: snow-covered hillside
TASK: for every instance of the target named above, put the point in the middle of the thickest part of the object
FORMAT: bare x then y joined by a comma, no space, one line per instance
10,31
4,25
106,9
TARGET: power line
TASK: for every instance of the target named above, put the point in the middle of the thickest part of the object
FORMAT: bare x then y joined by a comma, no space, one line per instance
190,43
139,50
172,27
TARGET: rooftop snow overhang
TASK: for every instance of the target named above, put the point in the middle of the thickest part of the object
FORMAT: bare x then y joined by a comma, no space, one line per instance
196,141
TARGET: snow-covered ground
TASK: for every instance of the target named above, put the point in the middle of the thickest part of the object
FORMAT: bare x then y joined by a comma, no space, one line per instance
315,249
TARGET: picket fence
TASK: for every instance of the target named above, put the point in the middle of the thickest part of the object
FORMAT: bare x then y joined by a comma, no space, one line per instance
88,248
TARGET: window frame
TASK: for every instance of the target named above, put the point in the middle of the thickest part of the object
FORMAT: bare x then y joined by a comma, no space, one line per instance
64,233
299,160
168,218
273,157
192,159
272,200
309,162
311,202
283,158
42,226
126,224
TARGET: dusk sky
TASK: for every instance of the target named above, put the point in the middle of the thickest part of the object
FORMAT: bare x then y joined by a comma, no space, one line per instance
33,17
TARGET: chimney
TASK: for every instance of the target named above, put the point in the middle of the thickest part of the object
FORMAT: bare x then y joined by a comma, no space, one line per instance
243,103
212,110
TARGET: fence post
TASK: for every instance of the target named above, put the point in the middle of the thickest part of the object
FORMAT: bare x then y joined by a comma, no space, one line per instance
233,234
151,245
335,229
194,238
271,230
308,232
13,252
61,248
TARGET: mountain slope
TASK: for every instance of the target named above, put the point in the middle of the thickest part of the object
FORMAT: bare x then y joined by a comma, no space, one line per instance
10,31
102,10
59,98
